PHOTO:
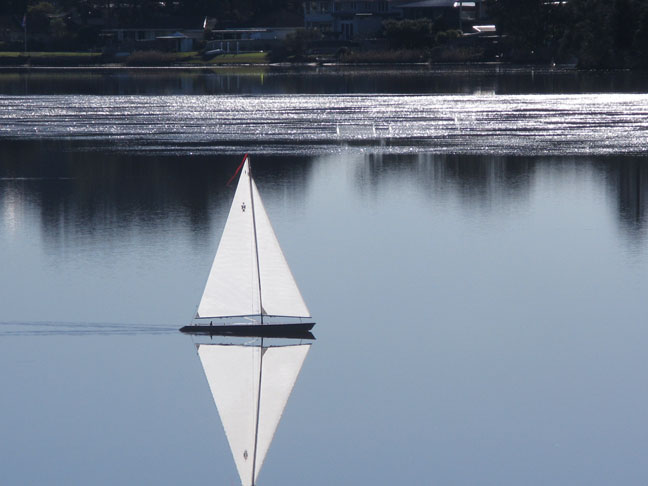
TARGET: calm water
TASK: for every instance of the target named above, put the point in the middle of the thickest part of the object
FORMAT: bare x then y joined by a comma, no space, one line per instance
473,246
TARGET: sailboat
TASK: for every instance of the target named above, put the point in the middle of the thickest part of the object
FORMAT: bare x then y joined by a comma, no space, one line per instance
251,386
250,290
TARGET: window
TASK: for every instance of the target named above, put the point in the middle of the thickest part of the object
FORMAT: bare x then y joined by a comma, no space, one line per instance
347,31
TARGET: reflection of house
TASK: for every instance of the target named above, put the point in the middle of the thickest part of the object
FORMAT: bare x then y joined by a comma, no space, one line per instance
348,19
162,39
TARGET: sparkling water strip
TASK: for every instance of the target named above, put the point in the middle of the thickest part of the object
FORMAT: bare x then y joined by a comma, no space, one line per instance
471,124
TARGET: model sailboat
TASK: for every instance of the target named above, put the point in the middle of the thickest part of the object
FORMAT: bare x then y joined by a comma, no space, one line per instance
250,280
251,386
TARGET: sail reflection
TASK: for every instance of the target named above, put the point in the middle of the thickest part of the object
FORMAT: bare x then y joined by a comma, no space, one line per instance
251,384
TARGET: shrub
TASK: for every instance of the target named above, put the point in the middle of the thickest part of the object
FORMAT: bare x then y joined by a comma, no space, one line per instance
385,57
408,34
444,36
150,58
457,54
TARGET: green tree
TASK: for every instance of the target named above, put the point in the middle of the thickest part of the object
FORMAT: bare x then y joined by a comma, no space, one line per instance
409,34
603,34
600,33
13,7
640,39
38,17
297,43
523,21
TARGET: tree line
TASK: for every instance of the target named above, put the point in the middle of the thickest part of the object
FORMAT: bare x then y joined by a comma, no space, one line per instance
127,13
591,33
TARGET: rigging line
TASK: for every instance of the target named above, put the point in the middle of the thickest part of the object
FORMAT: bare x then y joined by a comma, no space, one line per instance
256,242
258,410
238,169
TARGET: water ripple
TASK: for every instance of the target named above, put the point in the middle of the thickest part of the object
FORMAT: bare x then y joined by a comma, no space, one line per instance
50,328
478,124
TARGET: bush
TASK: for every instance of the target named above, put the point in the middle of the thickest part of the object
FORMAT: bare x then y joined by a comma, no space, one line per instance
150,58
409,34
295,46
445,36
385,57
457,54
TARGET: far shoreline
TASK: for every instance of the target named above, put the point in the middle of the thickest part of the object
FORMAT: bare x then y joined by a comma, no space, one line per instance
195,61
503,67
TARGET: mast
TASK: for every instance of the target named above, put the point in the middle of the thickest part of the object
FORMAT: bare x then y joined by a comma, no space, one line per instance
258,411
256,244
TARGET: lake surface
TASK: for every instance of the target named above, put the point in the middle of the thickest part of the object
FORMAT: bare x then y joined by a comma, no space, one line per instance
473,246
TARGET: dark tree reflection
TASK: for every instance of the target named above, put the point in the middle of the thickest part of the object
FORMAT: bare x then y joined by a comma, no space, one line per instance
319,80
483,181
476,179
628,182
104,195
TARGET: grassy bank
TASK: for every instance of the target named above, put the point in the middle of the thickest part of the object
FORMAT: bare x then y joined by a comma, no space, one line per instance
145,58
49,58
245,58
77,55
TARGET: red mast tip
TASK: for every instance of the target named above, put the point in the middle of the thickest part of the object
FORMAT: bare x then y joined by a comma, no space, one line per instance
238,169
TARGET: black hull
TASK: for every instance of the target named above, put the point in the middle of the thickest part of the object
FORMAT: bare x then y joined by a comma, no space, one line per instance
291,331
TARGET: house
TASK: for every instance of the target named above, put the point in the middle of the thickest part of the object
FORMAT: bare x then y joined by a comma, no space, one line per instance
179,34
455,14
176,42
154,38
346,20
248,39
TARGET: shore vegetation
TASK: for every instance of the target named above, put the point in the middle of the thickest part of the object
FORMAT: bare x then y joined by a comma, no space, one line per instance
589,34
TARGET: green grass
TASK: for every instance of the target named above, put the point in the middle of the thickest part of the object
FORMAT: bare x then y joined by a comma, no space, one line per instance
195,58
50,54
190,58
244,58
182,56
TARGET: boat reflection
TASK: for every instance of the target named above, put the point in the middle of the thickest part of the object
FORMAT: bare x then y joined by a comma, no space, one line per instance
251,384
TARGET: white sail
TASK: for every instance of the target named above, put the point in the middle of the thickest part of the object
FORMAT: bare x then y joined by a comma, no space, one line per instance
251,386
280,295
242,282
232,287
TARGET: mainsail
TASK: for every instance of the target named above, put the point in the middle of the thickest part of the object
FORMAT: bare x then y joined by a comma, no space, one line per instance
251,386
250,275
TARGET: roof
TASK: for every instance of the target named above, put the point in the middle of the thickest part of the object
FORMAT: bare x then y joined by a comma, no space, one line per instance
161,23
240,31
429,4
485,28
439,4
248,30
175,35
